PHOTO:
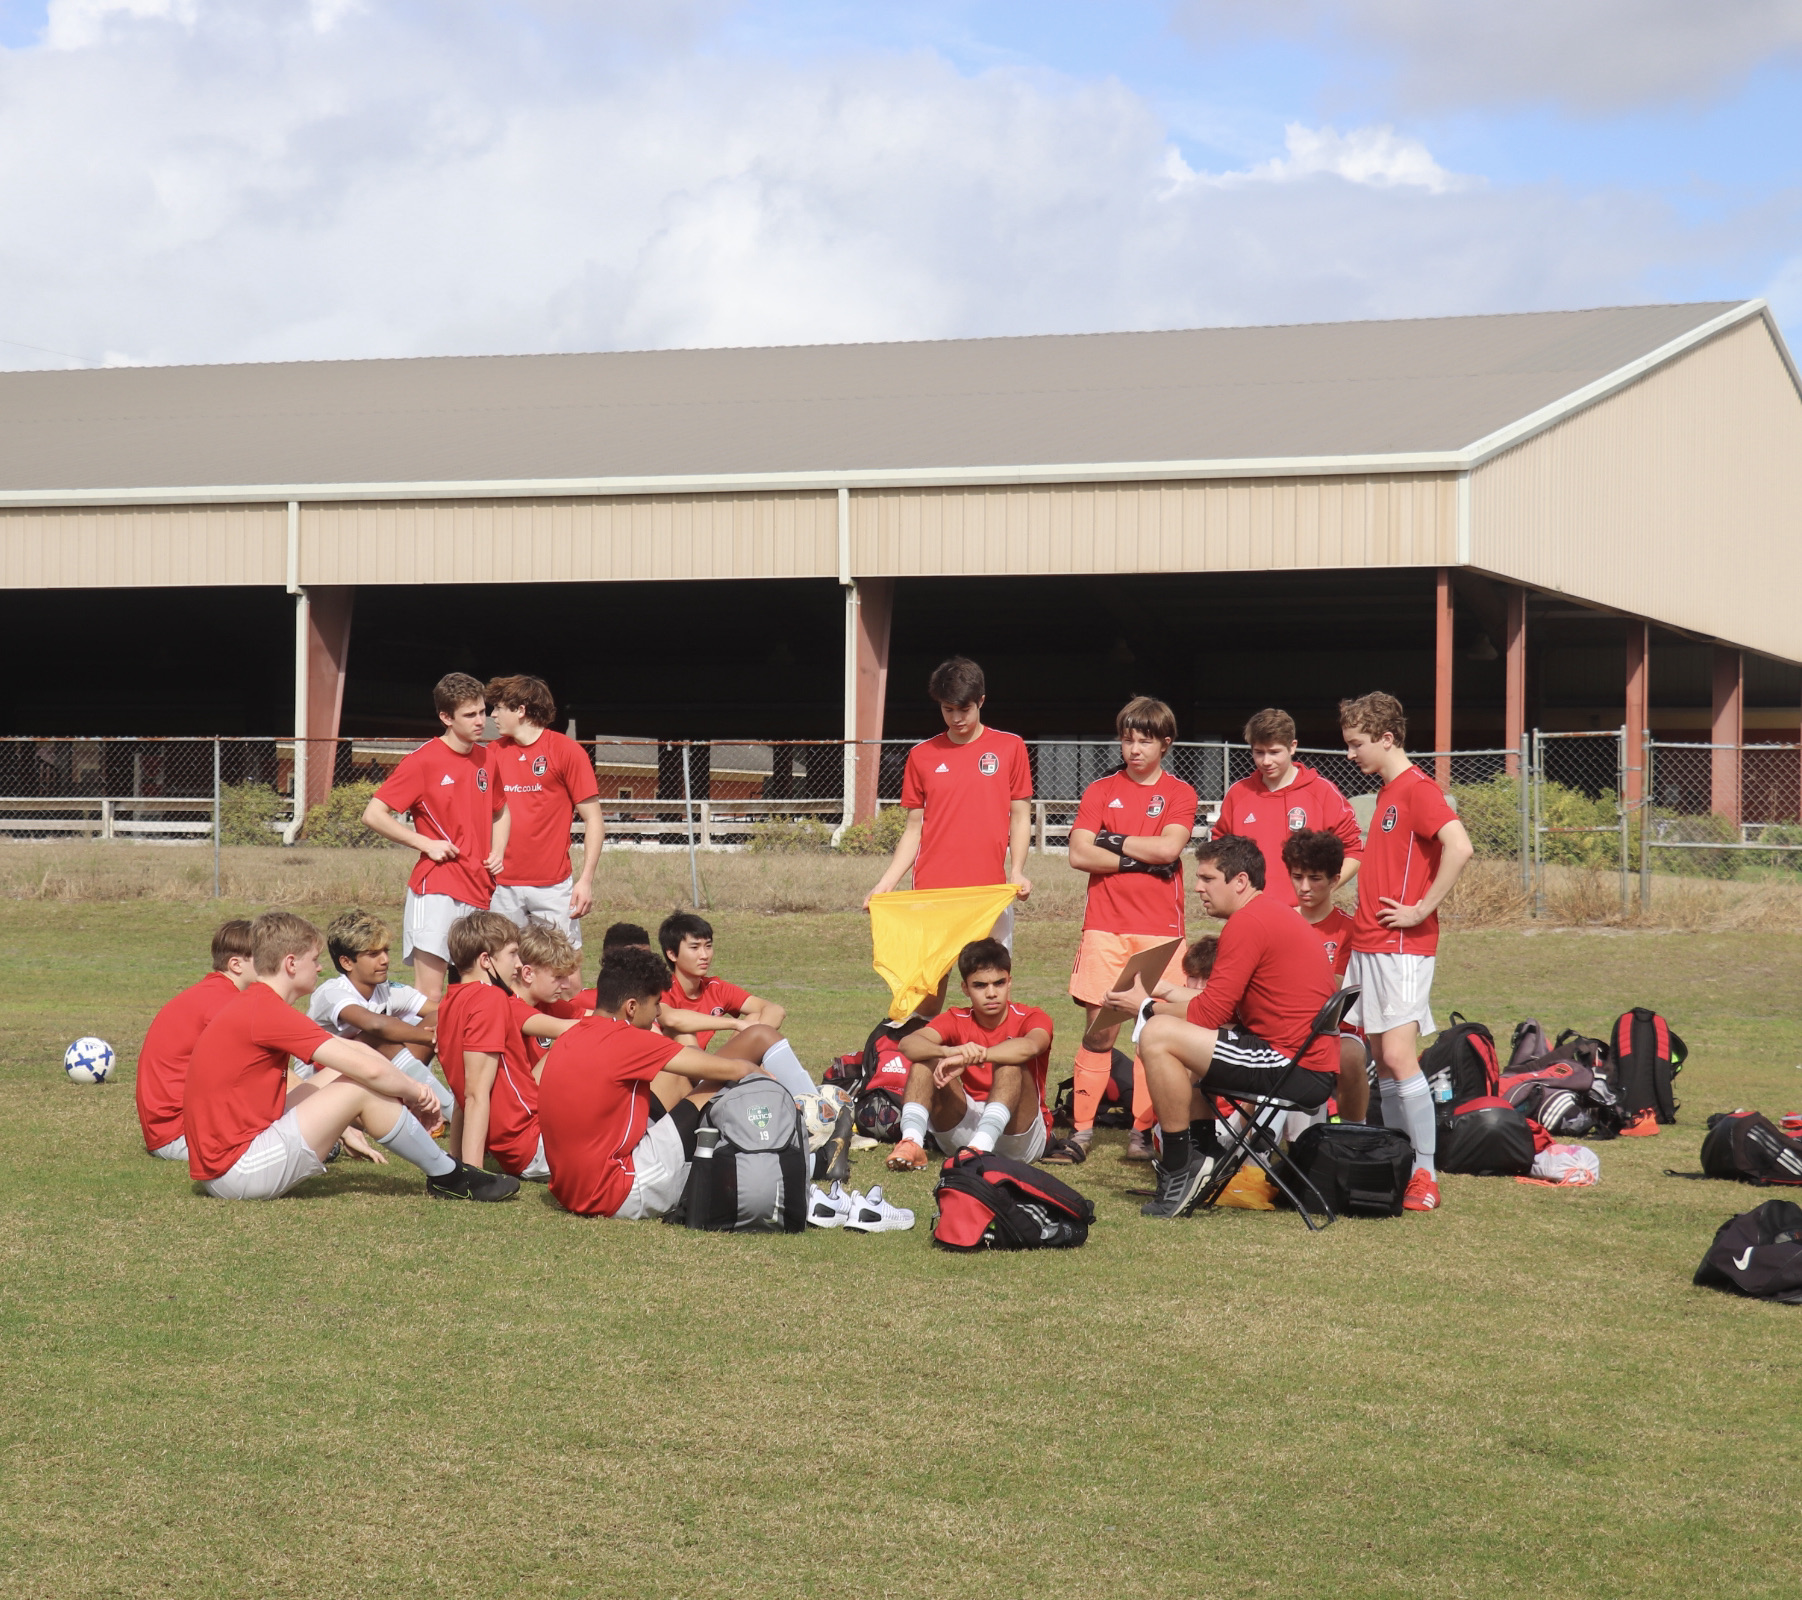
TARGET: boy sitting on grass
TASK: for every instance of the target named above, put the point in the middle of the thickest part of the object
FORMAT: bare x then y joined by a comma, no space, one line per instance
696,1005
978,1078
1313,862
358,1001
548,976
251,1137
169,1043
620,1104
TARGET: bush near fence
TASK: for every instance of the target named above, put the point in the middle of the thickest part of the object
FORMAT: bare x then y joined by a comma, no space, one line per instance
337,821
251,813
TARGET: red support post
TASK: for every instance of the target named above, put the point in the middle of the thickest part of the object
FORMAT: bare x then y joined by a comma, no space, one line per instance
1729,731
1515,716
1442,677
875,611
329,608
1639,704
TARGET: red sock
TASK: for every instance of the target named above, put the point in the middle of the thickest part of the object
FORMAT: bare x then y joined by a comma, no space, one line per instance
1093,1069
1144,1115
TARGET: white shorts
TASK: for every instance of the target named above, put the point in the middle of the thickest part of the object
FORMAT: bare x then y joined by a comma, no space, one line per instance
537,1167
425,924
659,1173
175,1150
1397,989
277,1160
1027,1146
1003,930
524,902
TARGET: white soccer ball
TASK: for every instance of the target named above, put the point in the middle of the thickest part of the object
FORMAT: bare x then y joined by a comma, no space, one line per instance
819,1112
89,1061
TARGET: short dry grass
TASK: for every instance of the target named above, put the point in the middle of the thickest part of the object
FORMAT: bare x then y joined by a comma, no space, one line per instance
356,1389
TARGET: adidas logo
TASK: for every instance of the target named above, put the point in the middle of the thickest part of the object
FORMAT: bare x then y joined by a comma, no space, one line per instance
1251,816
1115,805
941,767
447,778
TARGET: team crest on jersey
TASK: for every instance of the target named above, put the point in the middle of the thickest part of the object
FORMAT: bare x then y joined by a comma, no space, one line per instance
988,764
540,766
1298,819
1156,808
1389,817
482,779
1332,949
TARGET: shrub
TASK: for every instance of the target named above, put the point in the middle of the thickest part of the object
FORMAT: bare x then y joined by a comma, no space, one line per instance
877,837
1697,863
337,821
1490,813
246,812
789,836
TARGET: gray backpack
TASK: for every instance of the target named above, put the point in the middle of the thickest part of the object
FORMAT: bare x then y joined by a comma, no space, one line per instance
754,1179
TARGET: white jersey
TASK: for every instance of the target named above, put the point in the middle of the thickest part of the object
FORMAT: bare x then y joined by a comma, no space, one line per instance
386,1000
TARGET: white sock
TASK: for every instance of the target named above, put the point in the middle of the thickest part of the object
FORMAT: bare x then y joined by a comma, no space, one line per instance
409,1140
913,1123
1390,1092
782,1064
991,1125
1415,1101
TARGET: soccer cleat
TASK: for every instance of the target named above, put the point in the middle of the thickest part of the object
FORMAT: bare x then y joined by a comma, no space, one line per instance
833,1159
1138,1145
1643,1126
1423,1192
907,1156
464,1182
1177,1190
870,1213
828,1209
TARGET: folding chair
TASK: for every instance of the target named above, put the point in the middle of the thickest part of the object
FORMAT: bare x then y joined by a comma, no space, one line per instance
1259,1118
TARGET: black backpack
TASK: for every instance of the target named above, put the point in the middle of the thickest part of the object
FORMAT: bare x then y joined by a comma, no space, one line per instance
1566,1098
1758,1253
1462,1060
1648,1055
1116,1108
755,1179
1356,1170
1488,1137
1527,1043
991,1202
876,1079
1748,1148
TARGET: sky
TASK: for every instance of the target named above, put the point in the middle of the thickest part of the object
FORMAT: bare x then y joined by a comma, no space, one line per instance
196,181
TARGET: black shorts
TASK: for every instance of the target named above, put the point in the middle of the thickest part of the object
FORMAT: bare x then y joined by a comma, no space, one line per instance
1250,1065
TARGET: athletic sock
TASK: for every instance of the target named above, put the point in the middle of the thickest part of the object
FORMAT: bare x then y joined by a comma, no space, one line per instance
1389,1094
782,1064
409,1140
990,1125
1175,1155
1415,1101
1145,1115
1204,1135
913,1123
1093,1069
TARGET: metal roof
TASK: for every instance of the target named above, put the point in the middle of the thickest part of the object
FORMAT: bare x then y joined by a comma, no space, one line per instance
1324,390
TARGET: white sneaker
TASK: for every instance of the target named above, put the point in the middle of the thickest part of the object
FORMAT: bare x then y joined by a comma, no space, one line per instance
870,1213
828,1210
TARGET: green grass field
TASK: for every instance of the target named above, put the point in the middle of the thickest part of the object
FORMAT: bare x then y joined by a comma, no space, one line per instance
361,1391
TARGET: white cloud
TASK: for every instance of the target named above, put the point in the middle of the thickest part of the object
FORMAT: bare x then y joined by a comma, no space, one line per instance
1378,157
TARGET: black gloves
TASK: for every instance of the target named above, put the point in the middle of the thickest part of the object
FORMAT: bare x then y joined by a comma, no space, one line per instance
1116,842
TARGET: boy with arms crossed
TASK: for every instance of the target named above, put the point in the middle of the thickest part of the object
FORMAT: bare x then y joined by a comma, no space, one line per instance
968,798
544,775
173,1033
451,787
1130,832
1416,850
1312,861
251,1137
979,1071
696,1005
1283,797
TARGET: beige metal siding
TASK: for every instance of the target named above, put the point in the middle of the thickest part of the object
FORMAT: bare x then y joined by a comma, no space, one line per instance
571,541
1679,499
145,547
1267,524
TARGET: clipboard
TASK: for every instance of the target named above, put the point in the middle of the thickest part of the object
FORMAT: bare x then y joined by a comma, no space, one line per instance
1147,966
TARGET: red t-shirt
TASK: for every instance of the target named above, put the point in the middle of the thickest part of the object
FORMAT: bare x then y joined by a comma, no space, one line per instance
1334,933
454,797
958,1026
478,1016
163,1057
594,1105
238,1076
574,1009
716,999
1310,804
966,791
543,783
1271,978
1135,902
1400,862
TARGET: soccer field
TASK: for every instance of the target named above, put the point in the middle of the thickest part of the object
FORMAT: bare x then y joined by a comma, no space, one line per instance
358,1390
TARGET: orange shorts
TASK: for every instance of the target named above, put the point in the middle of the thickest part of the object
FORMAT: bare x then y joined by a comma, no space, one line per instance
1100,956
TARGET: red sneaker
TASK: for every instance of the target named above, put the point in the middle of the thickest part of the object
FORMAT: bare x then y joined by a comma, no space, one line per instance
907,1157
1644,1126
1423,1192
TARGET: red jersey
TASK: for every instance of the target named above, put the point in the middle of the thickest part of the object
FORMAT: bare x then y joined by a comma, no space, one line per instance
238,1076
163,1057
716,999
478,1016
543,782
1400,863
1310,803
967,792
1271,978
573,1009
1135,902
594,1106
454,797
1334,933
959,1026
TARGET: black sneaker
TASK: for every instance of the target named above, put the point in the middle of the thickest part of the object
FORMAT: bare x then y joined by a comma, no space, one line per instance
1177,1189
465,1182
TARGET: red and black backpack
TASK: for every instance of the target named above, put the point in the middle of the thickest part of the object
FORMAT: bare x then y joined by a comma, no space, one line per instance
1567,1098
1648,1055
876,1079
991,1202
1460,1065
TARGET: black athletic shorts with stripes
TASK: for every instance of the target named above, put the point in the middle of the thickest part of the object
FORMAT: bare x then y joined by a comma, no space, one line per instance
1250,1065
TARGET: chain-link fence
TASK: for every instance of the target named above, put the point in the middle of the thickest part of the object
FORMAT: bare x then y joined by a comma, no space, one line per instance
1722,812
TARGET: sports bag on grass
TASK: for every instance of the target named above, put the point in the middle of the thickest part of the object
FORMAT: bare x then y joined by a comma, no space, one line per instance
1460,1065
1116,1108
991,1202
755,1180
1648,1054
1749,1148
1565,1098
876,1078
1357,1170
1528,1042
1758,1253
1488,1137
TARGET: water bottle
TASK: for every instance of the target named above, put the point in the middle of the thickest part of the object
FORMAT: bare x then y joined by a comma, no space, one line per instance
1441,1085
700,1180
